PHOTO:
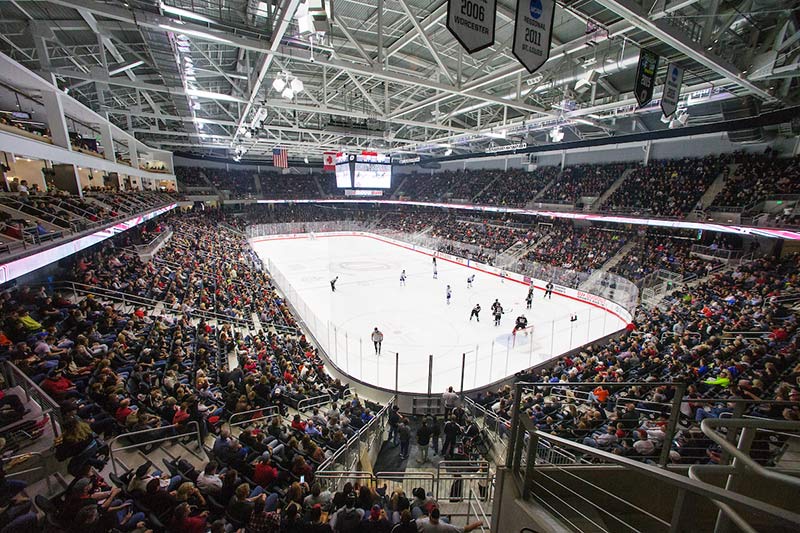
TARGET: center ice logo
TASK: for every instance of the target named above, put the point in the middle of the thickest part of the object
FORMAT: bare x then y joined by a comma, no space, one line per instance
536,9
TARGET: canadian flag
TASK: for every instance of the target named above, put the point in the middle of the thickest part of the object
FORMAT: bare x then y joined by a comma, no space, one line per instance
329,161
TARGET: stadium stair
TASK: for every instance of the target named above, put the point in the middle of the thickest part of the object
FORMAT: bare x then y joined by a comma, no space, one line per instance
545,189
614,186
712,192
486,188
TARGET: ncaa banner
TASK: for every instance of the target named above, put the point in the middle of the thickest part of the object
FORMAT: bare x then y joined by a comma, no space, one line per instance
472,23
533,31
672,90
645,77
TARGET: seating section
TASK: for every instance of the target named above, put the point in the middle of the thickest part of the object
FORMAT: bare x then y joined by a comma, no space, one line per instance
692,341
655,251
276,185
577,248
756,177
581,181
669,187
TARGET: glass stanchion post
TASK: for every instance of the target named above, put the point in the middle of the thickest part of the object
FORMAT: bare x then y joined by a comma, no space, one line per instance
491,363
475,376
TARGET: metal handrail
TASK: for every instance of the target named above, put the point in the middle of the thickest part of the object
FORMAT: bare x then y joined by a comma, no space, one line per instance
709,425
307,403
126,298
191,423
271,412
680,481
368,427
29,455
49,406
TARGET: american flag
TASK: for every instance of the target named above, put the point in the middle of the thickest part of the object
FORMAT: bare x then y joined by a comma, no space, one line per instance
280,158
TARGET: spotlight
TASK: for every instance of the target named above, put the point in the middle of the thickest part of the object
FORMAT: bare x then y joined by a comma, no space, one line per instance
297,85
288,93
305,160
279,84
447,152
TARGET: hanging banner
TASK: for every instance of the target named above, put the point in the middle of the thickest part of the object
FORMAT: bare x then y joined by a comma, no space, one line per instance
532,32
472,23
645,77
672,90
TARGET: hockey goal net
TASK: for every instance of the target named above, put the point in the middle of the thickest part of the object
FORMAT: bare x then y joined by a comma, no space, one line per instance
521,336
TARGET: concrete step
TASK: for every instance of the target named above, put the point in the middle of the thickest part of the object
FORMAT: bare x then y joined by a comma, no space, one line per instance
614,186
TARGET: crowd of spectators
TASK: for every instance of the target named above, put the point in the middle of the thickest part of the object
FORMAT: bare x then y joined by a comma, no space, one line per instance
276,185
578,248
667,187
191,177
690,340
516,187
581,181
115,370
653,251
757,176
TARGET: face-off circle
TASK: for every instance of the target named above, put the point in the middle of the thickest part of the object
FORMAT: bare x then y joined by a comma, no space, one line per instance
361,266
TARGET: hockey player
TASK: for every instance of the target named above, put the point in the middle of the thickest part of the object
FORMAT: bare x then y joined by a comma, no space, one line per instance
548,290
470,280
333,283
502,276
497,311
449,294
476,312
403,278
522,323
377,339
529,298
435,272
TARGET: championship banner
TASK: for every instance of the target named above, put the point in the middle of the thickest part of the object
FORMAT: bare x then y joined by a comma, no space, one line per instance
533,31
672,90
645,77
472,23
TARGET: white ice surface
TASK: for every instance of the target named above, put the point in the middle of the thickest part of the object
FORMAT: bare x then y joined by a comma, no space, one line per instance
415,319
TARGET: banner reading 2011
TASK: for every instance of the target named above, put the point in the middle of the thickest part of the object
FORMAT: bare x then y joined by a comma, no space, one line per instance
472,23
532,32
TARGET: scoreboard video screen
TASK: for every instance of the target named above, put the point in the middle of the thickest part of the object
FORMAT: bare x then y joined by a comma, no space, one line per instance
343,177
367,170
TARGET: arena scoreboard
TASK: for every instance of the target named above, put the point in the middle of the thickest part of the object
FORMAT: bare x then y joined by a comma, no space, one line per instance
364,170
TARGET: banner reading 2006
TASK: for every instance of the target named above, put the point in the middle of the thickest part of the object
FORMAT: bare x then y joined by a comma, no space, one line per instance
532,32
472,22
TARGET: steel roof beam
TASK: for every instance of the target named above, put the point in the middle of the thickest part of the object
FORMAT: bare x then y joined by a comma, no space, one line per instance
661,30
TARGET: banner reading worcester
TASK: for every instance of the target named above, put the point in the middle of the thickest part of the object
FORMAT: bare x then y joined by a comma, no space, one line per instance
472,22
532,32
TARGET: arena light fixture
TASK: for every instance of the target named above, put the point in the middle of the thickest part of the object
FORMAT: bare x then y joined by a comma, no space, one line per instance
195,33
288,93
297,85
279,84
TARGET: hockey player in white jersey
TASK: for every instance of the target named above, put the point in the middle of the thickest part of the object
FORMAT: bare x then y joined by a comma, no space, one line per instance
403,278
449,294
470,280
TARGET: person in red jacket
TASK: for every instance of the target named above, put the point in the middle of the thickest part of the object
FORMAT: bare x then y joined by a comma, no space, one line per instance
183,523
58,386
298,424
265,474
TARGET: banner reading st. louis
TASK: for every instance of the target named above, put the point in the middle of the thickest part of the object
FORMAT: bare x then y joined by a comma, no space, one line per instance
532,32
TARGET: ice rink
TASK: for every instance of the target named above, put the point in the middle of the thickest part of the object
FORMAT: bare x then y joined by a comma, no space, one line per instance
415,319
